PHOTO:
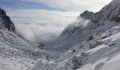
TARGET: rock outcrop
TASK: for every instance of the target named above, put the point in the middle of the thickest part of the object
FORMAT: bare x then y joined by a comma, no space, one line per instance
6,22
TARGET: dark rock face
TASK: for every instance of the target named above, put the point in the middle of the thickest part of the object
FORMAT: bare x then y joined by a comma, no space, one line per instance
6,23
116,18
87,15
109,12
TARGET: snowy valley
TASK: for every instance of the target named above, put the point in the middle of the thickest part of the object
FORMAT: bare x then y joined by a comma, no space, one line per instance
89,43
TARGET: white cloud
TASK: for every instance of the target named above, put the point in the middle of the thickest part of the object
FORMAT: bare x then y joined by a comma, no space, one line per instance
74,5
41,25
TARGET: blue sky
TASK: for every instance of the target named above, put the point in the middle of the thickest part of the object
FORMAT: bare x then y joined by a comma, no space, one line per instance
19,4
56,5
46,19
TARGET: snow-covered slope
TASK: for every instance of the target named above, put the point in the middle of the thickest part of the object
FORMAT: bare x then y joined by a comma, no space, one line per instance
90,43
86,24
16,53
103,54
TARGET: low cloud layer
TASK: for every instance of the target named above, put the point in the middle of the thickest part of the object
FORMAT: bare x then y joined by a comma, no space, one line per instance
44,20
41,25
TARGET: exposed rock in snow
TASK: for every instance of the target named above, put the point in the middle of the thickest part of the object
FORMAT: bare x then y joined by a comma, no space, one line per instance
90,43
87,15
6,22
87,23
16,53
98,41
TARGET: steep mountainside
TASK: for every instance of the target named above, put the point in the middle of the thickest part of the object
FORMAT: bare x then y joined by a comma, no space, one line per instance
16,53
90,43
87,23
5,22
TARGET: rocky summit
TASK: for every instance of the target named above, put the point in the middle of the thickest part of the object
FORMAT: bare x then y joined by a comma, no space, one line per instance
6,21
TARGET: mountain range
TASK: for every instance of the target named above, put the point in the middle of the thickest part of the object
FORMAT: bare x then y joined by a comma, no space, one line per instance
89,43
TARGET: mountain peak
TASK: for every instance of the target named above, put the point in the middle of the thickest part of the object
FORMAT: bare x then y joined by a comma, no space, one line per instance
6,22
109,12
2,12
87,14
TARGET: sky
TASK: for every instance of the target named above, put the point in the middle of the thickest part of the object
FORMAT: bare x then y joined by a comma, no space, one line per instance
44,20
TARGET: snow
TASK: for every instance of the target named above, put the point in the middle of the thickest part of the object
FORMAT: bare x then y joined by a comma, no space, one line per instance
112,64
103,55
16,53
10,59
15,63
90,46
